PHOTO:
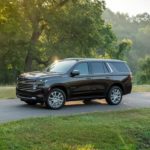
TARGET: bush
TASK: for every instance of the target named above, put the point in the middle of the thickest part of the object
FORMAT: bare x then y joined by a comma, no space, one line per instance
143,75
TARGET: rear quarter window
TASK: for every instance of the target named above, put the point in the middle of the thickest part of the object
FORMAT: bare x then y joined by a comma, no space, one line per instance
99,68
119,67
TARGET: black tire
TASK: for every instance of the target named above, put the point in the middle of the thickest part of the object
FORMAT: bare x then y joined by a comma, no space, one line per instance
114,96
87,101
31,102
57,103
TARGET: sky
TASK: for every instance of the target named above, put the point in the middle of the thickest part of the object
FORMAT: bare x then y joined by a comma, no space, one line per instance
132,7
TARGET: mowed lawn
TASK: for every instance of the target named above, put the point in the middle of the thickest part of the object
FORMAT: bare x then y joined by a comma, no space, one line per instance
8,92
141,88
121,130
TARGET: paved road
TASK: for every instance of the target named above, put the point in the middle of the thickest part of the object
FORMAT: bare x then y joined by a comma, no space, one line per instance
15,109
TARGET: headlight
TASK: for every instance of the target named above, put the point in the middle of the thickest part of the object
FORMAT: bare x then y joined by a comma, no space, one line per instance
40,83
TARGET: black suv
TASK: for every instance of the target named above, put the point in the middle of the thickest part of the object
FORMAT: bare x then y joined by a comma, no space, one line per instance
76,79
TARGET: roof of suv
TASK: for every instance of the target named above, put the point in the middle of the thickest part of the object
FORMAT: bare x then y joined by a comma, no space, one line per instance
94,59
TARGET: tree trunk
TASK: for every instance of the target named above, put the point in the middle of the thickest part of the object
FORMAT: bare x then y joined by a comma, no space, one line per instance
30,51
28,61
37,30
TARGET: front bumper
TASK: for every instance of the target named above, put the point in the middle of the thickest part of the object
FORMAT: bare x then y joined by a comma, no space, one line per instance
35,95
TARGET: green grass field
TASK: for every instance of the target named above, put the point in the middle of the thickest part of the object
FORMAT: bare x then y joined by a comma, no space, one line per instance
121,130
8,92
141,88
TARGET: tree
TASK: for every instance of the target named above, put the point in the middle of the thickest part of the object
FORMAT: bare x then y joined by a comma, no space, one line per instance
12,40
33,32
137,29
79,30
123,47
37,12
143,76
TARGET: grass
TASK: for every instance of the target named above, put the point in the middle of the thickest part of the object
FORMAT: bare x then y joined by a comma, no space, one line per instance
141,88
8,92
121,130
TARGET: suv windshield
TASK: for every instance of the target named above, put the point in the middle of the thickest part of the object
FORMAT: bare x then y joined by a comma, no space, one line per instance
61,66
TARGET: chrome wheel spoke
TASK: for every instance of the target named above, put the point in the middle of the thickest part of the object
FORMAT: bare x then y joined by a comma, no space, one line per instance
115,96
55,99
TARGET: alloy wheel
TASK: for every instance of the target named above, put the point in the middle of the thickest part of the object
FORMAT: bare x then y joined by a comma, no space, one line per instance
116,95
56,99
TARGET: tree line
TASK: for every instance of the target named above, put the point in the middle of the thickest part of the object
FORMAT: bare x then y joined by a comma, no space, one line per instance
34,33
137,29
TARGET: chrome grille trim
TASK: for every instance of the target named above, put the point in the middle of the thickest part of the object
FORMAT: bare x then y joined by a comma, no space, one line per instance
23,97
25,84
26,80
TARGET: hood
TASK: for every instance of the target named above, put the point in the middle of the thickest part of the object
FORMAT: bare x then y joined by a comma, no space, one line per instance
37,75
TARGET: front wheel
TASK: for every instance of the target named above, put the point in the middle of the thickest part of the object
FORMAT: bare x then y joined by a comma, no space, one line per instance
55,99
114,96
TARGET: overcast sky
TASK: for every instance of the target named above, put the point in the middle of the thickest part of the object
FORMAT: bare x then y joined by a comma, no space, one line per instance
132,7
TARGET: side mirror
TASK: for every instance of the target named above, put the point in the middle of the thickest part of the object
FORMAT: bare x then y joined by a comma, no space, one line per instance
75,73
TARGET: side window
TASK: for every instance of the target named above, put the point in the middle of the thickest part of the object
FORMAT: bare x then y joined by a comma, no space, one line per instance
97,68
82,68
106,69
119,67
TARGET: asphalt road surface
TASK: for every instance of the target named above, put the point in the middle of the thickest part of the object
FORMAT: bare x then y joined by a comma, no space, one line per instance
16,109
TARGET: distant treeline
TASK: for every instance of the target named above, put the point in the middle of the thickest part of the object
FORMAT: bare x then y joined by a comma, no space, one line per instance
137,29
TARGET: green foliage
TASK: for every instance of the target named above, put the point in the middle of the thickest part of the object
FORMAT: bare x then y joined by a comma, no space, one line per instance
143,75
136,29
12,40
32,33
79,31
123,48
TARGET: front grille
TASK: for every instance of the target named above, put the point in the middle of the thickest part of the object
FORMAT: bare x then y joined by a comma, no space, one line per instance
21,79
25,84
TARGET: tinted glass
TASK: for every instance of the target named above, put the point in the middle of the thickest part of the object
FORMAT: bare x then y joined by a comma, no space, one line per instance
97,68
106,68
82,68
61,66
119,67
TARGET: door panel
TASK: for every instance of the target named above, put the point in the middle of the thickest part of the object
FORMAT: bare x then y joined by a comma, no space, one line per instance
100,78
80,85
99,85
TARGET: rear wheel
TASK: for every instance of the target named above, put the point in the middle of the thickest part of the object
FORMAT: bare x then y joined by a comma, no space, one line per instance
114,96
55,99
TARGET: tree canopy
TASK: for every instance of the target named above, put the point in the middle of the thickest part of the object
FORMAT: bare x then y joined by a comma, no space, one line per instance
33,32
135,28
